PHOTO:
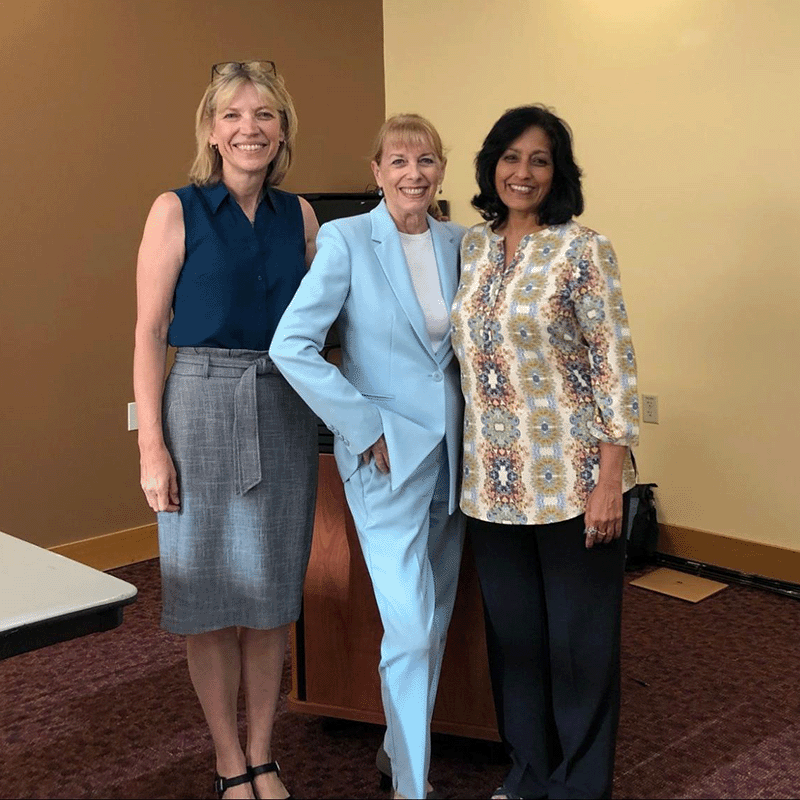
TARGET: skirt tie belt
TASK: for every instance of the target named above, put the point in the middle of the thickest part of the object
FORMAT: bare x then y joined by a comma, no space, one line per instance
247,365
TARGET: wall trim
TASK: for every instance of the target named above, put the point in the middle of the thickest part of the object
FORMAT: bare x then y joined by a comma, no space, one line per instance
114,550
130,546
751,558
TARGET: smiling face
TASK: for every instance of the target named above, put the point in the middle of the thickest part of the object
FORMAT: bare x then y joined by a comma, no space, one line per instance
410,174
247,132
524,173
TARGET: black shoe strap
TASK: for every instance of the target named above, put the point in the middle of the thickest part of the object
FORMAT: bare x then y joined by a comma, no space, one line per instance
221,785
261,769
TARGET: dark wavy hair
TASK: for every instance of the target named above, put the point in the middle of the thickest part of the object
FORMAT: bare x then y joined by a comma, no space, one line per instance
565,198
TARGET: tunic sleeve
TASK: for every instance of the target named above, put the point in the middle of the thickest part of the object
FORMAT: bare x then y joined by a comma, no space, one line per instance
603,321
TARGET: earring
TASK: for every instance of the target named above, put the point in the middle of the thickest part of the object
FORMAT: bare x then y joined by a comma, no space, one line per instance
380,191
440,190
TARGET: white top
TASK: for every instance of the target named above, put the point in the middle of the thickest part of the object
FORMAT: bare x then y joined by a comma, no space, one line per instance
37,585
418,248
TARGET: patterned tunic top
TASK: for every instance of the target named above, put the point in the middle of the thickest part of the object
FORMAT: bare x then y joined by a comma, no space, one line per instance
547,370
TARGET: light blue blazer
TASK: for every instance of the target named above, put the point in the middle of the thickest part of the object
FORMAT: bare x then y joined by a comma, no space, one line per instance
391,381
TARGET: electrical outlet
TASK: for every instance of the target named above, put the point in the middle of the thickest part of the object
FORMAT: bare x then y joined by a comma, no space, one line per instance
650,408
133,418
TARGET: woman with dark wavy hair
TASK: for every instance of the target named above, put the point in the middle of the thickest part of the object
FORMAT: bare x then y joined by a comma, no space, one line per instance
549,378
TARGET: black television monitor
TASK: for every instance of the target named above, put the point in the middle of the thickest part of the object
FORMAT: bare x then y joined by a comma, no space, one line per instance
335,205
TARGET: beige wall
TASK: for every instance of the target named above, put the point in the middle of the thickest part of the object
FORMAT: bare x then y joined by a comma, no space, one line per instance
687,125
98,100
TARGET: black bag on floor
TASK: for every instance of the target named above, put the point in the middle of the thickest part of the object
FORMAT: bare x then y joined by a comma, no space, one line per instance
642,527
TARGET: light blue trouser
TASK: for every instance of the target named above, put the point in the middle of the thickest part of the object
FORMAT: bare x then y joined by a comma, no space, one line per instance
412,548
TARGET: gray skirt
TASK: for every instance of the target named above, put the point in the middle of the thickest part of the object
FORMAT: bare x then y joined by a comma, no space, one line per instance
245,450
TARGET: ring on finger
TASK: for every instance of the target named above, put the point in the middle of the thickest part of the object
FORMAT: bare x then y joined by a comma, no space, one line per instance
592,531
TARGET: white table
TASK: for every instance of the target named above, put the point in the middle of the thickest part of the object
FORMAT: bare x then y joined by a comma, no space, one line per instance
46,598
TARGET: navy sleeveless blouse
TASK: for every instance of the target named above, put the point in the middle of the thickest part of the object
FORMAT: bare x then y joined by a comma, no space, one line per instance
237,278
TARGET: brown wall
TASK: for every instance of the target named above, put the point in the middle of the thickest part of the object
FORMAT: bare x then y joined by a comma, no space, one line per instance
98,98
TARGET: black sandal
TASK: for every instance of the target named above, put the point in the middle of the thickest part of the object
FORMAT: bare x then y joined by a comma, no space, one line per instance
262,769
384,767
221,785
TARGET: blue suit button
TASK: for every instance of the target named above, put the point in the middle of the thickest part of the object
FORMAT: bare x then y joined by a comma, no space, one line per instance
437,376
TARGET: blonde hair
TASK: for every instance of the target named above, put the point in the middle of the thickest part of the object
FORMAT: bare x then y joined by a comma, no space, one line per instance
207,166
411,129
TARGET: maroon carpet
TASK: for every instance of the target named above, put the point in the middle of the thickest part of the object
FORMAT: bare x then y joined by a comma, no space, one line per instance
711,708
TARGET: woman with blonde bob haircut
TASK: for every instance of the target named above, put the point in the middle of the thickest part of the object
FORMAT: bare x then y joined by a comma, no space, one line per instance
228,450
207,166
395,408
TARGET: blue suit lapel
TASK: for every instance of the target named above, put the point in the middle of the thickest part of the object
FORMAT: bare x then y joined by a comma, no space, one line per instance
444,243
391,257
446,247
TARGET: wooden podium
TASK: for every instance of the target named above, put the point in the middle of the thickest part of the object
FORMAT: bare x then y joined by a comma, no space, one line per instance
336,641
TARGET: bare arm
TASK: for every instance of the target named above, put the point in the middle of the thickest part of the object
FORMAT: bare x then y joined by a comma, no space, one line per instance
311,227
161,256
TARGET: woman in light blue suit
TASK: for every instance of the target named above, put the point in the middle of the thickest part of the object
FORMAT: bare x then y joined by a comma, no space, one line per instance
388,278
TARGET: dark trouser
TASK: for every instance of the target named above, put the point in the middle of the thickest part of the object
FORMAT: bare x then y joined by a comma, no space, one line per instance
553,630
